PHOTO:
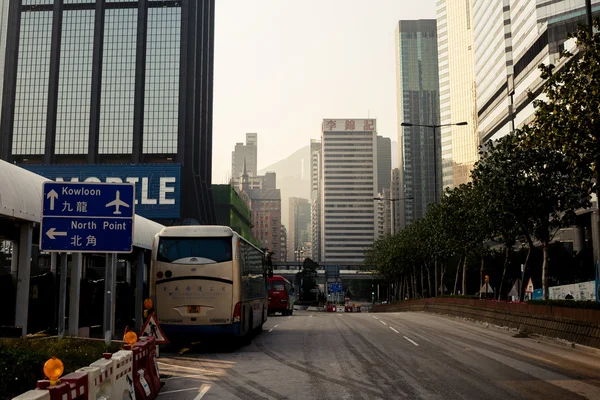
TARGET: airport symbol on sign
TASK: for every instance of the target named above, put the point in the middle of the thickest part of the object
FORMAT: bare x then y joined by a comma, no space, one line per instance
87,217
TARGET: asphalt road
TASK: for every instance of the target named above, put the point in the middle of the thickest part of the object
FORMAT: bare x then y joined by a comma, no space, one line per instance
316,355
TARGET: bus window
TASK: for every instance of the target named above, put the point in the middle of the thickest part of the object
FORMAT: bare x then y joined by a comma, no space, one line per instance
212,249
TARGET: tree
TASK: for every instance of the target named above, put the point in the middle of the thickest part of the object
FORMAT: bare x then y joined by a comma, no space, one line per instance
308,279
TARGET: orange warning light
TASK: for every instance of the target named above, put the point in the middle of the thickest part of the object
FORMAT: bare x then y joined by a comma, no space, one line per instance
53,369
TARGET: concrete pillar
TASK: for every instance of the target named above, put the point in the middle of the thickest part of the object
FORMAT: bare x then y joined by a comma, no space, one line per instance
128,267
139,290
74,294
24,276
595,234
14,260
578,238
62,295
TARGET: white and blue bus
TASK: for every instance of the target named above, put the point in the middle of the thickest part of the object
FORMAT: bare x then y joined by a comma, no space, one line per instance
207,281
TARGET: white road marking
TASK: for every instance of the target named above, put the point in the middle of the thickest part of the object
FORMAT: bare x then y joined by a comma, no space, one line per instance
270,330
289,317
375,317
172,366
203,390
275,326
383,322
412,341
394,330
178,391
311,315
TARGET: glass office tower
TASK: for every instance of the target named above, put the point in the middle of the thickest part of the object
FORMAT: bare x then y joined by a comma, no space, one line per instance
110,82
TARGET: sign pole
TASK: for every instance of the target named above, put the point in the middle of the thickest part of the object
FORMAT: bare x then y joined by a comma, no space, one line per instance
108,299
62,301
139,290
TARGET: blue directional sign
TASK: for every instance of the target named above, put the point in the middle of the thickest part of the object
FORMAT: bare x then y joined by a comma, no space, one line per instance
87,217
335,288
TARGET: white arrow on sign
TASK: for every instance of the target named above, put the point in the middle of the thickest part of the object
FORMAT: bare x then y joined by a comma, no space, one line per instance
52,233
52,195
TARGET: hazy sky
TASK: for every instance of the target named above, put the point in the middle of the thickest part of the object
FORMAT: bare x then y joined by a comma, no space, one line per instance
281,66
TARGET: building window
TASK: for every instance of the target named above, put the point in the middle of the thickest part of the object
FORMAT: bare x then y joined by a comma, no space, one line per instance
74,91
118,82
162,80
31,97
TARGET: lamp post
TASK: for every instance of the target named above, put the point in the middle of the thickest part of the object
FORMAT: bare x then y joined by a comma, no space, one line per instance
393,213
588,13
434,127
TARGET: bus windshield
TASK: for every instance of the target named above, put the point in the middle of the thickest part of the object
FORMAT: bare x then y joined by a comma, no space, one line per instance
214,249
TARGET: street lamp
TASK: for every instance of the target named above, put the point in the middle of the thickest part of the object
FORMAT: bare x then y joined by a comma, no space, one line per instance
434,127
393,210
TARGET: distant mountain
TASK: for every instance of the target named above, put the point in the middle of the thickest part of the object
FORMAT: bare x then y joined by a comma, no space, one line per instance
293,178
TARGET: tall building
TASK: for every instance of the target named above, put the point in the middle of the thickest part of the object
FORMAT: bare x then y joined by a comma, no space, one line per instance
247,153
397,192
384,162
348,186
299,233
283,256
384,213
117,84
418,103
265,206
3,29
315,197
457,90
512,38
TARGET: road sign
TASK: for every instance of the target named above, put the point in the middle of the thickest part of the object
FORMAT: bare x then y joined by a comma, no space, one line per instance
335,288
152,328
87,217
529,288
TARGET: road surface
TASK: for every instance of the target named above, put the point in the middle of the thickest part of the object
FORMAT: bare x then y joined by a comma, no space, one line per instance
316,355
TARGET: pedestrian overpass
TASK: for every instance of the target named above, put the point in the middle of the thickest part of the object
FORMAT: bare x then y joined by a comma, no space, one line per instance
348,271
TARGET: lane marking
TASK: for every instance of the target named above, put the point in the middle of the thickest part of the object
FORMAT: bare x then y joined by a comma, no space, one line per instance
203,390
178,391
275,326
383,322
289,317
311,315
270,330
394,330
374,317
412,341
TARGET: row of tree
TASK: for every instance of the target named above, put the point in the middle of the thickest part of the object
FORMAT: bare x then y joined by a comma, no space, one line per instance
526,186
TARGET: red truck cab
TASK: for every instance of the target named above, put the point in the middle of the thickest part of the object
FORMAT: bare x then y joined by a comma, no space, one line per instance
281,295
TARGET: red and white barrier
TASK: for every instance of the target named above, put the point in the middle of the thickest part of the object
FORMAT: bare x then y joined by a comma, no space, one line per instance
127,374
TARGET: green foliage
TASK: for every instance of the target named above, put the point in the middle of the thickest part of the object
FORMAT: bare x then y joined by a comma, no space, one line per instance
590,305
22,360
308,279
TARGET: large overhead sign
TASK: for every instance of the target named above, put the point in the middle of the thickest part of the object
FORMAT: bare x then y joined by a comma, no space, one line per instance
157,186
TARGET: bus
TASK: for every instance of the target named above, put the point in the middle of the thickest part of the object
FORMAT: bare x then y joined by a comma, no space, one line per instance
207,281
281,295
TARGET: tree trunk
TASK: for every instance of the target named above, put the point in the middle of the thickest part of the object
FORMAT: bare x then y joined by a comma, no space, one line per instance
435,274
457,272
442,274
464,276
414,274
531,246
481,276
422,283
545,272
429,281
506,258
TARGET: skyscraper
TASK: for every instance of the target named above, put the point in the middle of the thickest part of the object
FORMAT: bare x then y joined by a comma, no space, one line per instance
315,182
384,163
457,90
117,84
348,186
299,233
245,153
3,28
512,37
418,103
